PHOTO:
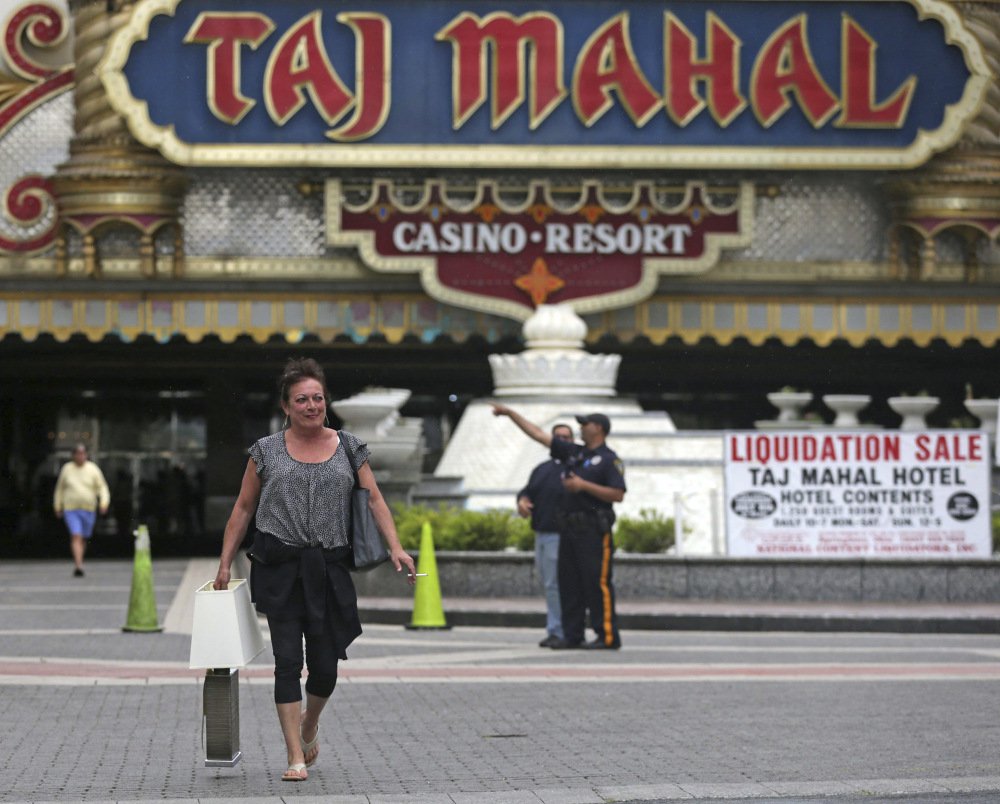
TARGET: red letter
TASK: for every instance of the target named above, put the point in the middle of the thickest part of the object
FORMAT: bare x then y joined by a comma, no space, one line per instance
734,450
975,453
720,70
372,71
607,62
538,34
299,59
785,64
224,33
858,82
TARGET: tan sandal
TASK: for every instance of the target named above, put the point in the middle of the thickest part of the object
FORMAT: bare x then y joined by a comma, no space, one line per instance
295,773
310,747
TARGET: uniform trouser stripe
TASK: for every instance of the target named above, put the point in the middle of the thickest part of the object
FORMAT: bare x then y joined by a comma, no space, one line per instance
609,635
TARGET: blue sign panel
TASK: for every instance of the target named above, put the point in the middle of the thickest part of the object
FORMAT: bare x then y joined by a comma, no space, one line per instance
864,83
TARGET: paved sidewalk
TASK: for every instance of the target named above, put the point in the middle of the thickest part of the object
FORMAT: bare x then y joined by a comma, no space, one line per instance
481,715
680,615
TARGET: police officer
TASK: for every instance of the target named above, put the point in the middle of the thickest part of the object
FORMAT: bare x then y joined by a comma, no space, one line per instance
594,479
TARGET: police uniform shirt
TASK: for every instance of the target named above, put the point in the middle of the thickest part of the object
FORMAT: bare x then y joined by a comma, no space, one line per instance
600,466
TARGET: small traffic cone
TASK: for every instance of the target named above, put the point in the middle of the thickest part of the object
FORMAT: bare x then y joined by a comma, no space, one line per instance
142,600
427,611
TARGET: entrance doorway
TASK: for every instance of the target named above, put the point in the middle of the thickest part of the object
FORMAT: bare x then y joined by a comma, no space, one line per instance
151,446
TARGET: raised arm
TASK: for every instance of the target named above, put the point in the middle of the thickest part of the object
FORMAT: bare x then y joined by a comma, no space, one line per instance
530,429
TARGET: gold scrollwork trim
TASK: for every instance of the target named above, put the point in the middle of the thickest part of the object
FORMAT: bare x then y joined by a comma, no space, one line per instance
164,138
955,206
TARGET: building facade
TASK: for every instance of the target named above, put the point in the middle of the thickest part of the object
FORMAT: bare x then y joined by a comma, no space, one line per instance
736,197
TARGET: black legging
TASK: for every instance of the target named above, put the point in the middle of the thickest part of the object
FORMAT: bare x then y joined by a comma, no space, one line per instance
320,656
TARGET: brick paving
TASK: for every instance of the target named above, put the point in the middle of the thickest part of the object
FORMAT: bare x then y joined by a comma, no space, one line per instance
480,715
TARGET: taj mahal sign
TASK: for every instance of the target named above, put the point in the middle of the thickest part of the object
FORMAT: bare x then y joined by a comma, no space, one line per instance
794,84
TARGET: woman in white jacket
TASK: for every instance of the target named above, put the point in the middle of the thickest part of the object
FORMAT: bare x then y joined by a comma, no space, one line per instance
81,491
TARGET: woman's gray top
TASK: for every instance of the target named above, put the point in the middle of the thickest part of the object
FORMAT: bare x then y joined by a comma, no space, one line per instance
306,504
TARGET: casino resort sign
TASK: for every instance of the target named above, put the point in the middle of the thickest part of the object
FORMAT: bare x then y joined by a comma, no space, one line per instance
506,253
690,84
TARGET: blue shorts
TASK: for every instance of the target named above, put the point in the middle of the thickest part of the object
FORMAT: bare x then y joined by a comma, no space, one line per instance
80,522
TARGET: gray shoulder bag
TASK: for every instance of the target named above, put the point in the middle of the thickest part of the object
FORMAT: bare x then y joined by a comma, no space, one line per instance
367,548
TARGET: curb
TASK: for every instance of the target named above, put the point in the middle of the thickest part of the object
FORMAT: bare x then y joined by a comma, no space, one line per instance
712,622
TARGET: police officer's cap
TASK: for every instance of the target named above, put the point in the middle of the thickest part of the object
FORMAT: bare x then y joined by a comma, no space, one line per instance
596,418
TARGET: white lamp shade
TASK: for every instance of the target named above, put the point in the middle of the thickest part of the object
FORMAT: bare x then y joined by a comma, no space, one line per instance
225,632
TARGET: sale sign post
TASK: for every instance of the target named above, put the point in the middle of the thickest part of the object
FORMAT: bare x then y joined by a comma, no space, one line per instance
858,494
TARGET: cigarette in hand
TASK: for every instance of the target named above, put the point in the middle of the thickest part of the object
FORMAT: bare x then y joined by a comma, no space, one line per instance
417,575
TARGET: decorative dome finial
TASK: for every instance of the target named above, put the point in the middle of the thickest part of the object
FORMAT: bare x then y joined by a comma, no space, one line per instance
555,363
554,326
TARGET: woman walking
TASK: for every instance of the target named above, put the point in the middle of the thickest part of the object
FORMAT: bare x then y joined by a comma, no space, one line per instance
298,481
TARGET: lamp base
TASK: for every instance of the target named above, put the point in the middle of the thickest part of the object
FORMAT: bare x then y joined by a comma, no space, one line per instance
221,706
224,763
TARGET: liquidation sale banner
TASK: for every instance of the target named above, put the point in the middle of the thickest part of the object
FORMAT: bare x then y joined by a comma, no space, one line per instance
858,494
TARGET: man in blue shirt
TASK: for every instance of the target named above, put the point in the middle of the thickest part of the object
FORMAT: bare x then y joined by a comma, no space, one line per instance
593,479
541,499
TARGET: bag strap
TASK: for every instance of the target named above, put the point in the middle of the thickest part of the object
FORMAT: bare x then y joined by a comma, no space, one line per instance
351,457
